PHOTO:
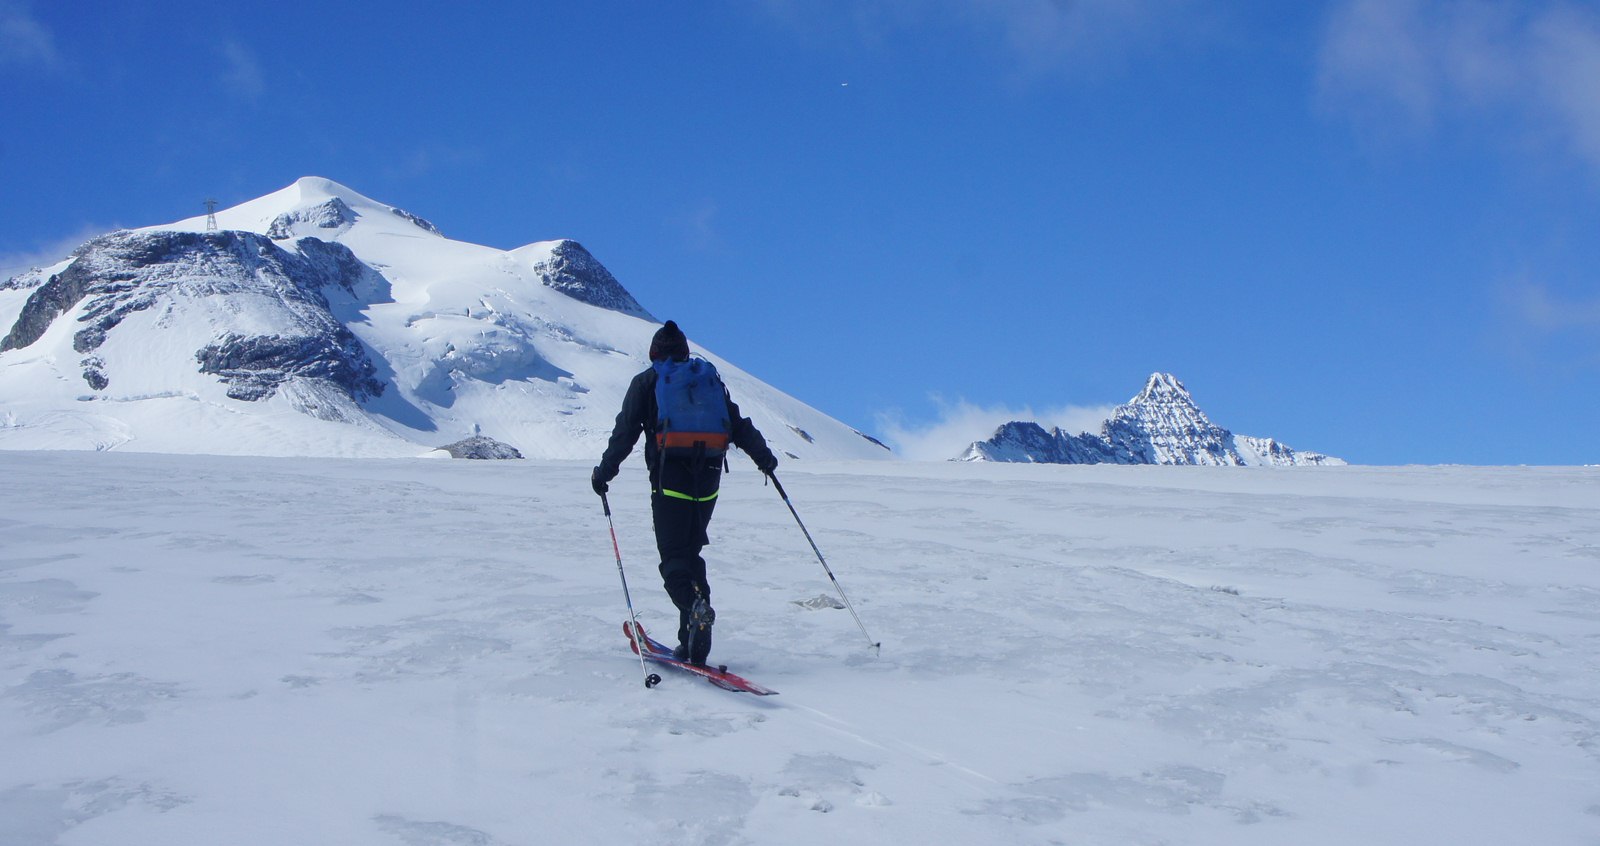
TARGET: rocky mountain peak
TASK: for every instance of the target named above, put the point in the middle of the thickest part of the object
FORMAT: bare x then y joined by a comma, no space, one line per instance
1160,425
1163,388
572,270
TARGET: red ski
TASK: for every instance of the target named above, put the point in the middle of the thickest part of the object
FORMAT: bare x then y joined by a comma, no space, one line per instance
719,676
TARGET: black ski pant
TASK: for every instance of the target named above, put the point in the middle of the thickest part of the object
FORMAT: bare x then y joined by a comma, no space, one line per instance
680,535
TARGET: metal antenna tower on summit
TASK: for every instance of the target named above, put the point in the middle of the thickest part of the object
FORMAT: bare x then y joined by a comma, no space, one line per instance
211,215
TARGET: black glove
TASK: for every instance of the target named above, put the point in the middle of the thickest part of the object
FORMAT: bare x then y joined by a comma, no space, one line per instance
767,463
598,482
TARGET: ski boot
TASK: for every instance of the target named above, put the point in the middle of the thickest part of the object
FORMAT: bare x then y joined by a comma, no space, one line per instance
701,616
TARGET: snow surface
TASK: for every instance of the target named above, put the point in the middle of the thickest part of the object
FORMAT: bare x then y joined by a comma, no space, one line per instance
202,649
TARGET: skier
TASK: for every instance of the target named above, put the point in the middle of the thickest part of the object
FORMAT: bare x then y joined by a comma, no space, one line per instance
684,480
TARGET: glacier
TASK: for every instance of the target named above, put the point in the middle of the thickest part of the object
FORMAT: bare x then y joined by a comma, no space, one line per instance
378,652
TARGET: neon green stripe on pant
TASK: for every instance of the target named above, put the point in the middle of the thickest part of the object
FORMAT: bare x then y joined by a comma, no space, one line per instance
684,496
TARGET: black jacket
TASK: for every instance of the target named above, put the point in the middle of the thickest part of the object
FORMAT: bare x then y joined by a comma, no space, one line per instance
639,415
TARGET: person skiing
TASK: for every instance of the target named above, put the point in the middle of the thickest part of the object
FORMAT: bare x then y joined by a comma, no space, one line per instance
685,469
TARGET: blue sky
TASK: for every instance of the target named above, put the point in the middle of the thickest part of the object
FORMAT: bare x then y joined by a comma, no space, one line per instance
1363,227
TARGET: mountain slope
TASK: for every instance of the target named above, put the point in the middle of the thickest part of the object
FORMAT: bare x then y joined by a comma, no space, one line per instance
318,321
1160,425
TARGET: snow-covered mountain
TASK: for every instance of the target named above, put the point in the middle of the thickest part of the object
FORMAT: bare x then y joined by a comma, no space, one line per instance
1161,425
316,321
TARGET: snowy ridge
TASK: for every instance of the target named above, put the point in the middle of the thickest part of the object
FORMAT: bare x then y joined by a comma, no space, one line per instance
1159,425
318,321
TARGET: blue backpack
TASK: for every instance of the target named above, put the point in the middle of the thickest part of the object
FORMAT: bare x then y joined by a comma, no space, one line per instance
691,409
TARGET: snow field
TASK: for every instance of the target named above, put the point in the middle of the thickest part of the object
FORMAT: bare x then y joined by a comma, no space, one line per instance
200,649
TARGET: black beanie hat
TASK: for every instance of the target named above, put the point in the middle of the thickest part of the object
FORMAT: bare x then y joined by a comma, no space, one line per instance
669,343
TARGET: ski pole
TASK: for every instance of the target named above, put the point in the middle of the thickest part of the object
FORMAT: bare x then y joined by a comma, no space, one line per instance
829,570
650,679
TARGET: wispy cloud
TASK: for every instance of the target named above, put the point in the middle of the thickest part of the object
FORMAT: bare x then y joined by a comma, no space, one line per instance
1038,35
425,160
23,38
960,423
1544,326
44,255
1409,65
242,74
1568,59
698,226
1546,311
1049,34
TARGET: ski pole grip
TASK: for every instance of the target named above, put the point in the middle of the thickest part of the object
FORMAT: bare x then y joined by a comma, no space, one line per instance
606,504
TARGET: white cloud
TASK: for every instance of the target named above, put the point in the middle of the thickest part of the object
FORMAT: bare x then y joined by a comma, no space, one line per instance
1412,64
961,423
23,39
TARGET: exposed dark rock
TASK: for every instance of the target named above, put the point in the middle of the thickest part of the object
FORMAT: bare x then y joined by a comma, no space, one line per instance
94,373
417,221
481,447
25,280
870,438
329,215
254,366
1028,441
574,272
332,262
63,292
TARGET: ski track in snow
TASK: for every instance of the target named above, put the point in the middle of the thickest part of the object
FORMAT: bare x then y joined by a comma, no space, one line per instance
263,651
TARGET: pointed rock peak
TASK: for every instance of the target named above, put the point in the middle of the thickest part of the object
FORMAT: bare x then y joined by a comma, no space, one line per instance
1161,425
567,267
1163,388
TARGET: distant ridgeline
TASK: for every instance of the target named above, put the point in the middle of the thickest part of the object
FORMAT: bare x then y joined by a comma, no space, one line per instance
1161,425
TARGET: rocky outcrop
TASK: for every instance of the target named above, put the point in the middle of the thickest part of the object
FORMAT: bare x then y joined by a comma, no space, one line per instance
481,447
1028,442
574,272
26,280
333,215
416,221
63,291
255,366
